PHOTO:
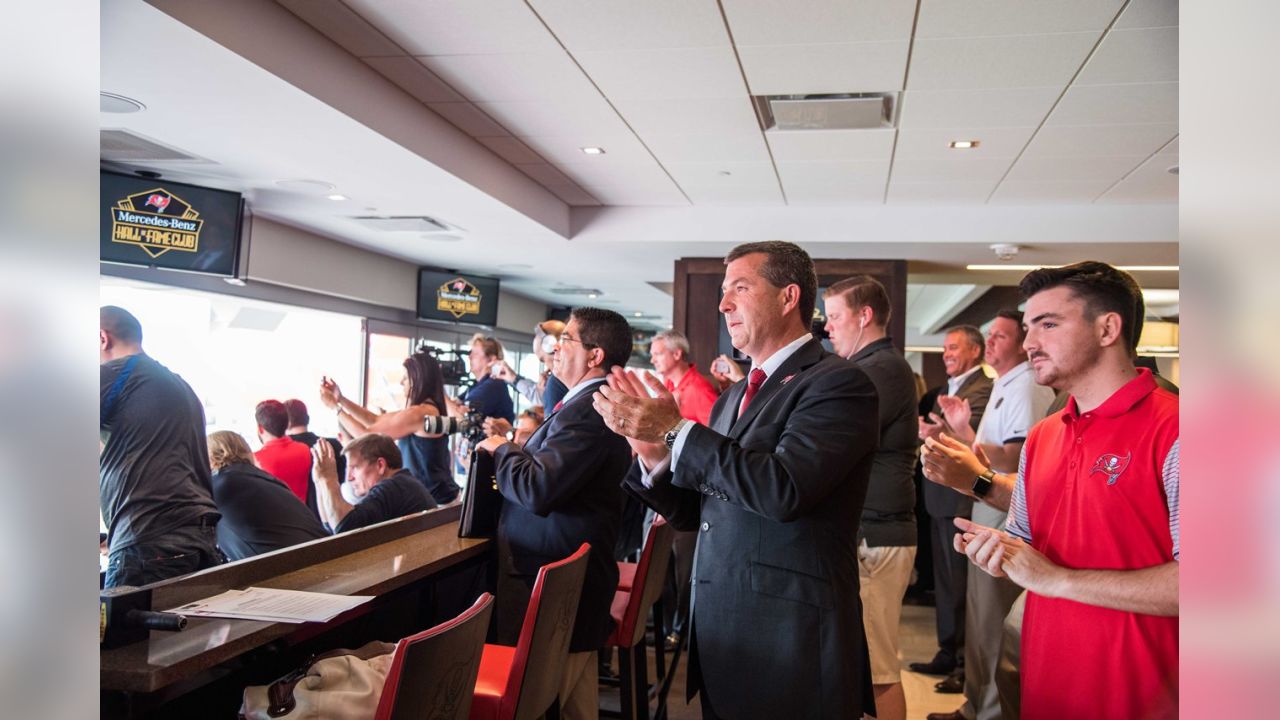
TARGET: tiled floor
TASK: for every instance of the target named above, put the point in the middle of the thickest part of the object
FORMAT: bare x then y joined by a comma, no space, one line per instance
918,643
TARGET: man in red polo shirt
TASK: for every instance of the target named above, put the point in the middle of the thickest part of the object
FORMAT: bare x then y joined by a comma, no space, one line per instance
694,394
1092,532
282,456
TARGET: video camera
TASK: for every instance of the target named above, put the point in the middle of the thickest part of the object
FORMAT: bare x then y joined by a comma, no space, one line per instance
453,365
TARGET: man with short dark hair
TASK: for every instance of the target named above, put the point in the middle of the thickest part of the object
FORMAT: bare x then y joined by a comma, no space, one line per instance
562,489
858,314
299,420
376,474
281,456
962,357
1093,527
153,480
775,487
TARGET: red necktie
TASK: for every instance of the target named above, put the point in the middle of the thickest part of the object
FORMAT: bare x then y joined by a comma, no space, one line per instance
754,382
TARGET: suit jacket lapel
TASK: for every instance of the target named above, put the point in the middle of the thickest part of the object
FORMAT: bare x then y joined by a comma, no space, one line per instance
733,398
805,356
540,435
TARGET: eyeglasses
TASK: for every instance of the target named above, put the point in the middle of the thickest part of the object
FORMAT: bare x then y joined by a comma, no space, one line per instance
565,337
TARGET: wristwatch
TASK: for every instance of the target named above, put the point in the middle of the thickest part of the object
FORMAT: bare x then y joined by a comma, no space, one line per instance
982,484
673,433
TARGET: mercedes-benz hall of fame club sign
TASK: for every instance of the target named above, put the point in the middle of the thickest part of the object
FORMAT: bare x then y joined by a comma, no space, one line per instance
157,221
458,297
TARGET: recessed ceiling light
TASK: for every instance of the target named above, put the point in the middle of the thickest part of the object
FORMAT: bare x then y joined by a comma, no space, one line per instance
593,150
112,103
336,196
964,144
1028,268
592,296
315,186
637,314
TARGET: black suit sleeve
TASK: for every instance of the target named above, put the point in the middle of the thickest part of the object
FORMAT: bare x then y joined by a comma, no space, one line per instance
543,479
978,403
680,507
833,424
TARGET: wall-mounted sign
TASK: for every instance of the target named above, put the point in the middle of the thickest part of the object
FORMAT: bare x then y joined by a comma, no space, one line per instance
176,226
455,297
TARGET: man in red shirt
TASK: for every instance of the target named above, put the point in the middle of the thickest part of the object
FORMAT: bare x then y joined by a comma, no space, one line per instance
1092,532
694,394
282,456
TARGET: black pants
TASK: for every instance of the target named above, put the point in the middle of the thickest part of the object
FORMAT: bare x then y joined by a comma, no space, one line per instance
950,579
184,550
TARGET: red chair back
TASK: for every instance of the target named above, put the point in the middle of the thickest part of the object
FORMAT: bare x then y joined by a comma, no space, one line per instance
651,573
543,648
433,673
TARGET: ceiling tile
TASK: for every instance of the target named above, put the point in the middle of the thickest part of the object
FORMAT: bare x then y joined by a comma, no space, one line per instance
513,77
469,119
720,147
941,193
632,193
344,26
849,175
998,62
621,175
1150,183
689,117
1072,140
1014,192
1081,168
791,146
978,18
415,79
513,150
594,26
587,119
779,22
713,175
948,168
621,148
1113,104
829,68
448,27
1171,148
755,195
936,142
853,193
665,74
1010,107
1133,56
1149,13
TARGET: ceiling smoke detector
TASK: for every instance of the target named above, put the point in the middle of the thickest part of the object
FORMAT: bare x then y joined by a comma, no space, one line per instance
1005,251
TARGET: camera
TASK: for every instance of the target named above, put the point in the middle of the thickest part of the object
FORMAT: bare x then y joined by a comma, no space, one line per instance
469,426
453,365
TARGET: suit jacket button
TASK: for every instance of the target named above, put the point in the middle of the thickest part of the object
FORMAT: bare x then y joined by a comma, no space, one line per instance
706,526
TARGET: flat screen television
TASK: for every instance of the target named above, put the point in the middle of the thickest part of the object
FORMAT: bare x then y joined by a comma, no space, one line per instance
164,224
457,297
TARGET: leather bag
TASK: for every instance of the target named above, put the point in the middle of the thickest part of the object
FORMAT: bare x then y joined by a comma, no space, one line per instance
338,685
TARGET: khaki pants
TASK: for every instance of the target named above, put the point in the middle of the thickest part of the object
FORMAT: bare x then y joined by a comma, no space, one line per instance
1008,679
883,575
580,689
987,602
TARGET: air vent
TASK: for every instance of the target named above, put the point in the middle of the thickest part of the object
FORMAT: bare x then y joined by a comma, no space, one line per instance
845,111
124,146
403,223
576,291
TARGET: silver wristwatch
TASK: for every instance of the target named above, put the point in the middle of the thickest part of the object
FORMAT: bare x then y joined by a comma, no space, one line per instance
673,433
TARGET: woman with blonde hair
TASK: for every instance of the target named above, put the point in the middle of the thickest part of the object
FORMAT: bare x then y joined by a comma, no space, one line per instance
259,513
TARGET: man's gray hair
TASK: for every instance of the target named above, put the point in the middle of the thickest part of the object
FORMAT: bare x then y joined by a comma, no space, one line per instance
973,334
674,340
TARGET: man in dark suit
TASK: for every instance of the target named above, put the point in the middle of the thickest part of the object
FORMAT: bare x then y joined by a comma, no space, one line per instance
962,356
775,488
563,489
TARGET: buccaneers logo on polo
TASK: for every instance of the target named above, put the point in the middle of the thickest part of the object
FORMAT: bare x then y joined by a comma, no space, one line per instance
1111,465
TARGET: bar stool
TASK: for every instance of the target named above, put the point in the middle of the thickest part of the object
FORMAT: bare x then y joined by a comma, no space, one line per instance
432,673
523,682
630,605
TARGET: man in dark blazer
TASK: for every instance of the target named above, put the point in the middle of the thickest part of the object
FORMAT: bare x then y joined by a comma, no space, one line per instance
775,488
962,351
563,489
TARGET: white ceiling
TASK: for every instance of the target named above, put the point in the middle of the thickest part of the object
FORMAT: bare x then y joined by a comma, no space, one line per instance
475,113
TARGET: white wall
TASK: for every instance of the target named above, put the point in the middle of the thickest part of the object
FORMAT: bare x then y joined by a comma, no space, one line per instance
284,255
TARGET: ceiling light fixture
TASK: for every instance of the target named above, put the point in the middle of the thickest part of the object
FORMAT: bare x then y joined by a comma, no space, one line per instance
593,150
119,104
336,196
1028,268
637,314
592,296
965,144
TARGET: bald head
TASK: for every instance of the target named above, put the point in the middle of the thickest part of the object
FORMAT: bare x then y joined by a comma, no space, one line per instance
119,333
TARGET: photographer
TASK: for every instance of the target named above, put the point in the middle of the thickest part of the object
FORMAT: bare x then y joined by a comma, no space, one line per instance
548,390
488,396
426,456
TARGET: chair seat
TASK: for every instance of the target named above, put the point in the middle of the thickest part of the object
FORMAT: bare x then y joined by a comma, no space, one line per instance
621,636
495,668
626,575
